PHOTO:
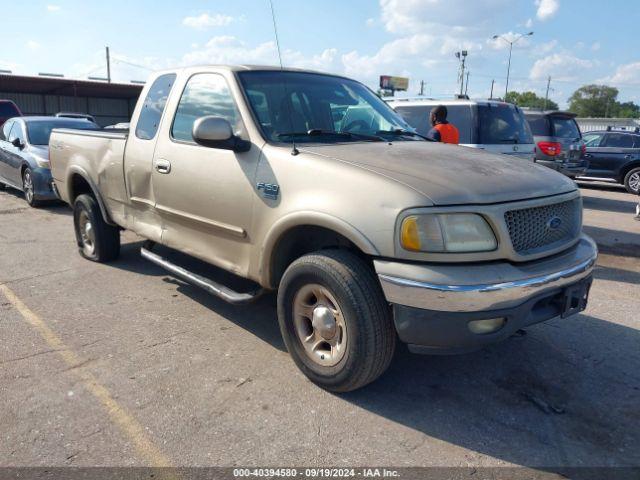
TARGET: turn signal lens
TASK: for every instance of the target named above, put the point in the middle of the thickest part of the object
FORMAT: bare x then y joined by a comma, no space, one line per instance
410,238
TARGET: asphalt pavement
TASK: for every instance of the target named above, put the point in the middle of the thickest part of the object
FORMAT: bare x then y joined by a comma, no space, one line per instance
121,364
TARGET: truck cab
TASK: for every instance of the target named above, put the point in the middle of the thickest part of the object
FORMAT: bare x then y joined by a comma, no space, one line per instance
309,185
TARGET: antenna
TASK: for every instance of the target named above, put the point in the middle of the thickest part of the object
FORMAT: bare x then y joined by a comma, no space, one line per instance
294,151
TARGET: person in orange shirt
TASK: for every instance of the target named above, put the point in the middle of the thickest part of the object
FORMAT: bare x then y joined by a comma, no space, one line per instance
442,130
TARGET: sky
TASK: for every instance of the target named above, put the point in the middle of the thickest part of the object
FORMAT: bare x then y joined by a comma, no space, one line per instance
575,42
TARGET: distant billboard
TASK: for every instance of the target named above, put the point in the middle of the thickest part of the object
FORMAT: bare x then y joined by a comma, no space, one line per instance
387,82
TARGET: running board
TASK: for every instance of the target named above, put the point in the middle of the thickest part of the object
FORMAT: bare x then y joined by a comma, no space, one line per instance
214,288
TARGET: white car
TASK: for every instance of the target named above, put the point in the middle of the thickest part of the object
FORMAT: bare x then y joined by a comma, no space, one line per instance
491,125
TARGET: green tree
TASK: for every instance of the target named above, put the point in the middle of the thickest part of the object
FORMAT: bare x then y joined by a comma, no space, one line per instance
594,101
627,110
530,99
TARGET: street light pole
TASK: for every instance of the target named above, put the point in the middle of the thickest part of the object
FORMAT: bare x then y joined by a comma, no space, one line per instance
511,43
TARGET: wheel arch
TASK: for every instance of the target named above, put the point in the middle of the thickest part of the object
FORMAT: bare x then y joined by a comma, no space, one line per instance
627,168
78,183
298,234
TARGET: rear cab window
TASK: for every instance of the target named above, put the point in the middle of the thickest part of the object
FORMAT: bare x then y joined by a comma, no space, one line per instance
153,107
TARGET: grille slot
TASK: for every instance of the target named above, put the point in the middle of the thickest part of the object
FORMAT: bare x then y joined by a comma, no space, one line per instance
531,229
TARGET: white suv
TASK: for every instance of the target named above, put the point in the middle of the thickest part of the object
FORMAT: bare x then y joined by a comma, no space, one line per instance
491,125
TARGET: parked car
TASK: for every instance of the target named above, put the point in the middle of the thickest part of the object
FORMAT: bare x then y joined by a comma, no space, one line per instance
8,110
559,143
490,125
366,233
24,154
614,156
86,116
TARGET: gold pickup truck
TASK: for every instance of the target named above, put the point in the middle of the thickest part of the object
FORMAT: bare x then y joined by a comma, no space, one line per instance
310,185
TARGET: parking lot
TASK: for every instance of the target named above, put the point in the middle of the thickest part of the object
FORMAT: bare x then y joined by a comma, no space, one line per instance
121,364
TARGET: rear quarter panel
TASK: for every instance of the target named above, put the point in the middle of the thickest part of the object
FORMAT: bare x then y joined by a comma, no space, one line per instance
97,156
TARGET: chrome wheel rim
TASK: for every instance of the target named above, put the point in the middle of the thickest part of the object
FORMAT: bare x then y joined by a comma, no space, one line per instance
27,184
320,325
634,181
87,234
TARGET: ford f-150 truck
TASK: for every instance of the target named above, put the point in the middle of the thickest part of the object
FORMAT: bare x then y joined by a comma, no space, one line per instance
309,184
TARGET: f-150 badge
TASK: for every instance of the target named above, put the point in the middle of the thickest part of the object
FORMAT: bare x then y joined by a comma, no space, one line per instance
269,190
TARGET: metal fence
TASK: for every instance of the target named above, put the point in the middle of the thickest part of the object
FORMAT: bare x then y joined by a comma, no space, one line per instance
591,124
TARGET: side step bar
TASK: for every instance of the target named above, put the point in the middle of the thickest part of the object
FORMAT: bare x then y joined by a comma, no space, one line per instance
206,284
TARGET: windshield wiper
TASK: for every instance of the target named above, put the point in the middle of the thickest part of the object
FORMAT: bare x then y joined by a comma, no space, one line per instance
317,132
401,132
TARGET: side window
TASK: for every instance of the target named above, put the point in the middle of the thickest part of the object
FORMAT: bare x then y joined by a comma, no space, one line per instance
592,140
6,128
618,140
460,117
206,94
153,106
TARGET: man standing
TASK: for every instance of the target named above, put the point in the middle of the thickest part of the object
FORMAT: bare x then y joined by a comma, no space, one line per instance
442,130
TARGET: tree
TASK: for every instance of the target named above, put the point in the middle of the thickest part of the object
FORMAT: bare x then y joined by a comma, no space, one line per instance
627,110
594,101
530,99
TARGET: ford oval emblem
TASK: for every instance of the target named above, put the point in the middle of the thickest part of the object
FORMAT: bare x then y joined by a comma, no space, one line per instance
554,223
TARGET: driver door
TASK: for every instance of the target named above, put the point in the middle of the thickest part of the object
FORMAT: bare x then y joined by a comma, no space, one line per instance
205,195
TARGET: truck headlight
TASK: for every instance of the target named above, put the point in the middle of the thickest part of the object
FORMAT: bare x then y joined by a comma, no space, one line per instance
447,232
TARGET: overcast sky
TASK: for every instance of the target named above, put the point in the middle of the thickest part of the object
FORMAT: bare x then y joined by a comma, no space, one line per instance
575,42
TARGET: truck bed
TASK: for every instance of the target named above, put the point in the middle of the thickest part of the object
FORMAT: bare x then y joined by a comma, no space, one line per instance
98,155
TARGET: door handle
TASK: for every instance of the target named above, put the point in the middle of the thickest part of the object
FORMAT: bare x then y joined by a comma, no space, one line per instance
588,155
628,156
162,166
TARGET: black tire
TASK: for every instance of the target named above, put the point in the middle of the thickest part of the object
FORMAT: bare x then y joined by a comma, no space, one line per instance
100,242
370,338
2,186
633,174
28,188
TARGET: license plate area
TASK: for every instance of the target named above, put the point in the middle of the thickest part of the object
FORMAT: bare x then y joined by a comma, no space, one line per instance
575,297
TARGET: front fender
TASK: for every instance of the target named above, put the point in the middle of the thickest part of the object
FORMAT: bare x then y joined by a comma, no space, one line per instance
314,219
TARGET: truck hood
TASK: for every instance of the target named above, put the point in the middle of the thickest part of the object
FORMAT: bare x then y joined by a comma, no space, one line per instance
450,174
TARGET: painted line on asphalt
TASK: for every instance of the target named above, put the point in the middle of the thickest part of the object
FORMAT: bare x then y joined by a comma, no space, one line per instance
127,424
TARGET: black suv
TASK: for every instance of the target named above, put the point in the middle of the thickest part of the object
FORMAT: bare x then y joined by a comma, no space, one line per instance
614,155
559,143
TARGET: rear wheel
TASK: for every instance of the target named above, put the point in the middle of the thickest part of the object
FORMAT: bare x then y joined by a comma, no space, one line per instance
28,188
97,240
632,181
335,320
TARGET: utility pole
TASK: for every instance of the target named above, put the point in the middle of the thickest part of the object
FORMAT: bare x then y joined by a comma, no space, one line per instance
546,96
492,83
421,87
466,87
108,66
511,43
462,56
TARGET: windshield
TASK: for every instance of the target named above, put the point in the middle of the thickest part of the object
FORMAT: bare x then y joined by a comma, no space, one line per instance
565,127
502,123
40,131
308,107
7,109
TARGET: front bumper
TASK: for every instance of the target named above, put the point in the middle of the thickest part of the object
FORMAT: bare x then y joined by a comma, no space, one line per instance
571,169
433,304
42,184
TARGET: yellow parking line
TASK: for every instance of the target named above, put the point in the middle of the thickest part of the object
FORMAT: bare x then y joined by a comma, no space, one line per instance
118,415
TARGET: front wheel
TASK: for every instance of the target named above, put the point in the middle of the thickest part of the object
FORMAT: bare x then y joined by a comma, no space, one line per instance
632,181
28,188
97,240
335,320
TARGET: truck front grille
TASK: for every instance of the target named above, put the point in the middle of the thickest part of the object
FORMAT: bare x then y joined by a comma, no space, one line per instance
533,230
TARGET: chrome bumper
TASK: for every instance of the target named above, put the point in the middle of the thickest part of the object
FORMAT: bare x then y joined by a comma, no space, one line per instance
487,286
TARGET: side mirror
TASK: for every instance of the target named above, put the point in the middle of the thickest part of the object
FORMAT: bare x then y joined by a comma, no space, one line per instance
216,132
17,143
